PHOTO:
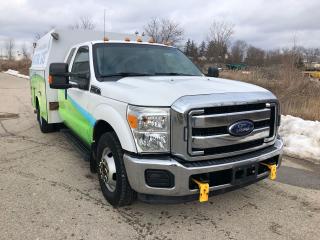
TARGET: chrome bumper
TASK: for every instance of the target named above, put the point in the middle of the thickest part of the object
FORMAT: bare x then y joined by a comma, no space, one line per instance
136,168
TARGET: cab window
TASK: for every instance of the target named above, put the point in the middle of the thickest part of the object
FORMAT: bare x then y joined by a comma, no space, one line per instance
81,65
70,55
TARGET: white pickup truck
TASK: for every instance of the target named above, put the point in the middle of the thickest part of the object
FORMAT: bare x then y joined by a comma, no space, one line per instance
155,125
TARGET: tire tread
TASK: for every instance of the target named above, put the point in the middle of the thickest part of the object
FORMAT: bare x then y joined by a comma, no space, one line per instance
127,195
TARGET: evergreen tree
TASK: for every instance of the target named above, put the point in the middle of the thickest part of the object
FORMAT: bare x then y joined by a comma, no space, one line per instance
187,47
202,49
193,51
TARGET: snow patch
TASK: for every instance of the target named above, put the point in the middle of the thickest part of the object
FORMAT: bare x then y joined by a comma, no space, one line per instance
16,73
301,138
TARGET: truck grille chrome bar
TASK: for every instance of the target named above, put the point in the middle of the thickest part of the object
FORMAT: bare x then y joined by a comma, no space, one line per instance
209,132
226,139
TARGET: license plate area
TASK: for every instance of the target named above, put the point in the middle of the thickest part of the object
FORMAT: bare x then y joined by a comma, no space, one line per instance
245,173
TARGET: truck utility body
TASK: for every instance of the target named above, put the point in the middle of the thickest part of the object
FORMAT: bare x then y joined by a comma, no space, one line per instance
155,124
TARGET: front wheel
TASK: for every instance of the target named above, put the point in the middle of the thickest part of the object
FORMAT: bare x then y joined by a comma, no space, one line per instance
111,172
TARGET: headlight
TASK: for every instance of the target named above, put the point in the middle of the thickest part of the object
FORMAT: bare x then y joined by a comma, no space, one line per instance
150,128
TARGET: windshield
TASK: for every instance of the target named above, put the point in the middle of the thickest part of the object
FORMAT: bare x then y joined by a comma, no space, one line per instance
126,59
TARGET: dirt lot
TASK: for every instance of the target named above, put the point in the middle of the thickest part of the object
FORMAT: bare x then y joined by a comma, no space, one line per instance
48,192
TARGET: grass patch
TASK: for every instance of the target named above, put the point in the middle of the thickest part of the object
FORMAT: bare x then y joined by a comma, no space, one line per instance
22,65
299,96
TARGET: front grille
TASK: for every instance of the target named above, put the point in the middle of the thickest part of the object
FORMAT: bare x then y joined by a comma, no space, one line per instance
208,129
234,108
231,148
224,129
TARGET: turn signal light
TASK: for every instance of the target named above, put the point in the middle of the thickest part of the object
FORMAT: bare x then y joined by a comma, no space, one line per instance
133,121
127,39
50,79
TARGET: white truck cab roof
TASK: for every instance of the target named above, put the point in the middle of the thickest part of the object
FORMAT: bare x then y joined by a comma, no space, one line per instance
54,46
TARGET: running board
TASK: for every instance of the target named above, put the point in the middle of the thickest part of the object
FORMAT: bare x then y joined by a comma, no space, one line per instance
79,145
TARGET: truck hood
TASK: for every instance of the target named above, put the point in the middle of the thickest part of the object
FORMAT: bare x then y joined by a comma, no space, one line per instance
164,91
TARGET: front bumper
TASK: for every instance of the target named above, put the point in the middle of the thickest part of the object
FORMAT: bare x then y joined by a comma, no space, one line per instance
136,167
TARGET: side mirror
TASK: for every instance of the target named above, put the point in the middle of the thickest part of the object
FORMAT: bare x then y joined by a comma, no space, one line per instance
59,76
213,72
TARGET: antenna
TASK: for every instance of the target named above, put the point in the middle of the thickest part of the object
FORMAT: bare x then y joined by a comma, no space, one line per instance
104,23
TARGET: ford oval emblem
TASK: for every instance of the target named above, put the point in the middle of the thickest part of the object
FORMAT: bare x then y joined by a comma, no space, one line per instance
241,128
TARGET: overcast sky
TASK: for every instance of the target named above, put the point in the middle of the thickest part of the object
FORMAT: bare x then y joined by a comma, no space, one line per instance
263,23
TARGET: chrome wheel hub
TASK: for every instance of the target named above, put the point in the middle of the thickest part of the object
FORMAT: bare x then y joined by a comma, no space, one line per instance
107,169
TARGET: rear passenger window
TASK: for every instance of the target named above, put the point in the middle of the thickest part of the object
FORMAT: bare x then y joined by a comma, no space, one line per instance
70,55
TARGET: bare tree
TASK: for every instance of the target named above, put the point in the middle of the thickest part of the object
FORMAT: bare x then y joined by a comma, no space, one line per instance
273,57
25,52
84,23
37,36
310,55
238,51
164,31
218,39
152,29
255,56
9,48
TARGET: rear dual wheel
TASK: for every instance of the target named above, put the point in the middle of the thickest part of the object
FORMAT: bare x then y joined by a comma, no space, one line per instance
43,124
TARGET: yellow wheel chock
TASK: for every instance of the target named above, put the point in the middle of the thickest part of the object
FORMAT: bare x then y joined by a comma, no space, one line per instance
273,170
203,190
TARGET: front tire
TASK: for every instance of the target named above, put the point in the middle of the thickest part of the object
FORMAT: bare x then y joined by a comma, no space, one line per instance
112,175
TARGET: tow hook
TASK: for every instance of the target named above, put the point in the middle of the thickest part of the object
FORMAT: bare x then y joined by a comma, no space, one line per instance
273,170
203,190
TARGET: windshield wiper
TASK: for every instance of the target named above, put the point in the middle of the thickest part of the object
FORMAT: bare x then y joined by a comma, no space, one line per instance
125,74
173,74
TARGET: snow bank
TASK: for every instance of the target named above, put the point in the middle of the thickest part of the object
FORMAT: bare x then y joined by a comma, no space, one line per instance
16,73
301,138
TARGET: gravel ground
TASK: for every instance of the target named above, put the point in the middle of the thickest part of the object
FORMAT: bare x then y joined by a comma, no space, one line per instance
48,192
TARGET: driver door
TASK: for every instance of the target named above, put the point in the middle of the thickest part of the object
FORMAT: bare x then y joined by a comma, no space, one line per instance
77,116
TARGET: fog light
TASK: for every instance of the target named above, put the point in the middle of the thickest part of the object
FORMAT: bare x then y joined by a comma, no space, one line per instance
159,178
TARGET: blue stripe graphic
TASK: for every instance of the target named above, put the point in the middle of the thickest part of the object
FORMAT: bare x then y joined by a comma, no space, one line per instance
83,112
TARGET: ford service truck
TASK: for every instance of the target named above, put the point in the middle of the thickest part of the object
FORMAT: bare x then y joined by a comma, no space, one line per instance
155,125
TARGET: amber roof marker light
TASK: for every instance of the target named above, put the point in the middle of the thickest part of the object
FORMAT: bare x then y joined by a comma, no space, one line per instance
167,43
